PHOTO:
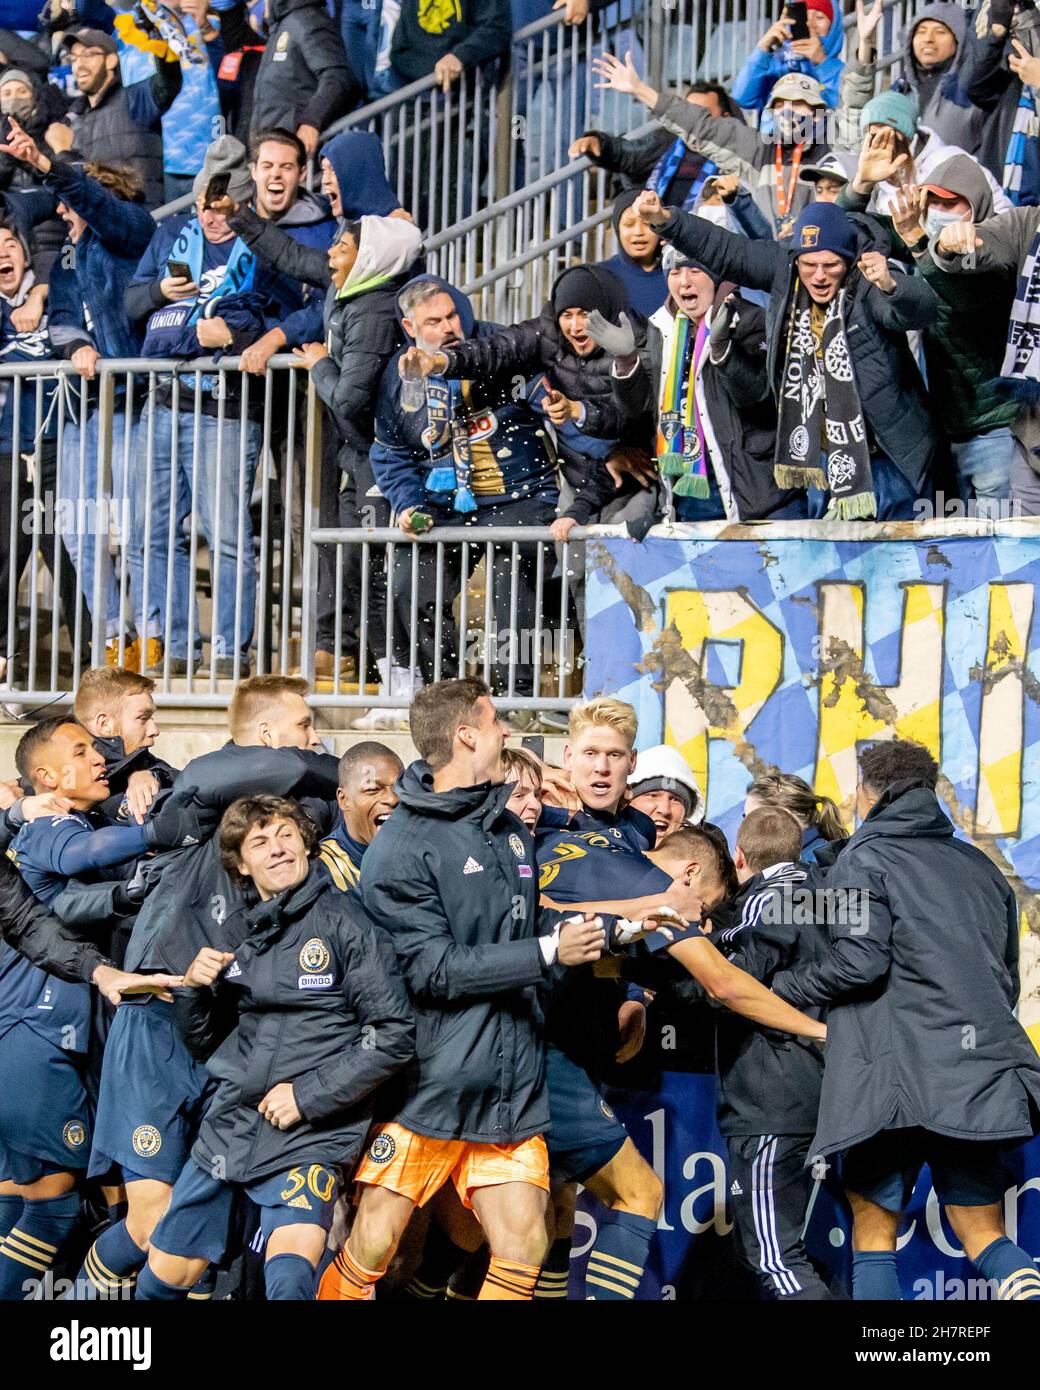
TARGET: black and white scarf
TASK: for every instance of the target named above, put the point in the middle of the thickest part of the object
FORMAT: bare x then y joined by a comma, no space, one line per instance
821,439
1022,355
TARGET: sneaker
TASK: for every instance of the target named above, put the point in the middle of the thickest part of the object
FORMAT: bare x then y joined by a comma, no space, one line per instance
382,721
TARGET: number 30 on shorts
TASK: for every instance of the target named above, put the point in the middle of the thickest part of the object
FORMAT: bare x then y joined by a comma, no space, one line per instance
318,1179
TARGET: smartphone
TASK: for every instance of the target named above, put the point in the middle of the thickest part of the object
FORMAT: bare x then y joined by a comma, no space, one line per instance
798,13
218,186
179,270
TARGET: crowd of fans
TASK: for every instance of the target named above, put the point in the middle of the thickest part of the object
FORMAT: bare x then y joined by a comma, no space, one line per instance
822,302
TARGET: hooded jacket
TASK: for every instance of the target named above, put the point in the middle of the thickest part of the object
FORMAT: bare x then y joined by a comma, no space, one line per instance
304,77
944,103
85,304
895,405
509,446
444,878
356,157
762,70
49,105
647,289
314,981
740,406
739,149
921,1028
991,85
538,344
363,330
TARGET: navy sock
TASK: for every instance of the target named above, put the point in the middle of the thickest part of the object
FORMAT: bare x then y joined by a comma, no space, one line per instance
204,1287
440,1259
1015,1273
10,1210
151,1289
618,1258
555,1270
31,1245
875,1275
110,1265
289,1277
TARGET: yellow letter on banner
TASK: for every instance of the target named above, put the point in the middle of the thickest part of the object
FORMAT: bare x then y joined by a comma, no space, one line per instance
853,707
696,711
998,809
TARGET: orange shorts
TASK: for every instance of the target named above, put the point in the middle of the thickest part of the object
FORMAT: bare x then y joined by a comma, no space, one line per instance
417,1166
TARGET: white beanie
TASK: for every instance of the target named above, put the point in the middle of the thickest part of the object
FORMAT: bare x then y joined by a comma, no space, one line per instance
665,768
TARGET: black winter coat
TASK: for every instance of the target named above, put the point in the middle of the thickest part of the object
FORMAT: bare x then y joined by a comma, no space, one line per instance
740,405
28,928
443,878
538,345
304,77
895,404
321,1004
921,981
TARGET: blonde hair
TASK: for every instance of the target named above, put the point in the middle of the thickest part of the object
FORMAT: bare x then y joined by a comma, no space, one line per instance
792,793
104,688
605,710
254,696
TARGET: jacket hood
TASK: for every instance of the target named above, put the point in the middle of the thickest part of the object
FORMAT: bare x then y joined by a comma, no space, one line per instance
388,247
308,210
356,157
964,175
906,809
462,304
835,36
278,9
945,12
414,789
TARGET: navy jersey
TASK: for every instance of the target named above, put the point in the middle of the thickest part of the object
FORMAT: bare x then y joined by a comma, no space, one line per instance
41,845
576,866
341,855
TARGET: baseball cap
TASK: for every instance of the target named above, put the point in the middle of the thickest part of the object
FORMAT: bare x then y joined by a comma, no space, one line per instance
831,166
941,192
797,86
91,38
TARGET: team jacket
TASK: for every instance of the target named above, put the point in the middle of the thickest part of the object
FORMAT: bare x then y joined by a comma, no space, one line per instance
768,1082
340,857
120,766
193,895
319,1003
451,878
42,939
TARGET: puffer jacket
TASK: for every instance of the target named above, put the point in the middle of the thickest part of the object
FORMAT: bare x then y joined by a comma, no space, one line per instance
315,982
303,77
895,405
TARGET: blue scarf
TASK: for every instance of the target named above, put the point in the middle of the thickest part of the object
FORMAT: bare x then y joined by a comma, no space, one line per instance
1020,181
666,168
447,427
169,321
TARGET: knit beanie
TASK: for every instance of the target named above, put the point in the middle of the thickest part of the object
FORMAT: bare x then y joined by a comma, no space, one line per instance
589,287
226,156
824,227
895,109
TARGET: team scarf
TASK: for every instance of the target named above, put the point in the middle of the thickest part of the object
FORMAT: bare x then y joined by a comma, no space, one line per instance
447,437
681,454
821,439
666,168
1022,355
1019,185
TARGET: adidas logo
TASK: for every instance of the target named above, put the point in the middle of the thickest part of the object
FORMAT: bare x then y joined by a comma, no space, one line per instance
472,867
736,1190
301,1202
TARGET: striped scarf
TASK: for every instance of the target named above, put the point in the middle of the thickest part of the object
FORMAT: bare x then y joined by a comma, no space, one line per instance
447,430
1022,356
1017,184
681,454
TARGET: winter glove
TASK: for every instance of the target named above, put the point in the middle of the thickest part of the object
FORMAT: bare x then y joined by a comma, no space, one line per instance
618,340
1000,12
180,821
725,319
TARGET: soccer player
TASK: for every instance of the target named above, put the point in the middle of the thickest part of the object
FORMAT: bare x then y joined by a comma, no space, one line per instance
366,796
768,1085
118,709
926,1061
451,878
45,1022
285,1022
152,1090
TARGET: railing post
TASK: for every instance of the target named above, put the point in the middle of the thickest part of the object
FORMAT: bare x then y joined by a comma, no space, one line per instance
311,503
102,490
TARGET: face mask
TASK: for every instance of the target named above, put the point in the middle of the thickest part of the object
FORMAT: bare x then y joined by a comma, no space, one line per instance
21,108
935,219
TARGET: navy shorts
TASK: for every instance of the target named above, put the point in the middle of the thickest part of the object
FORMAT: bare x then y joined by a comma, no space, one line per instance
965,1172
45,1115
152,1096
205,1213
584,1133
